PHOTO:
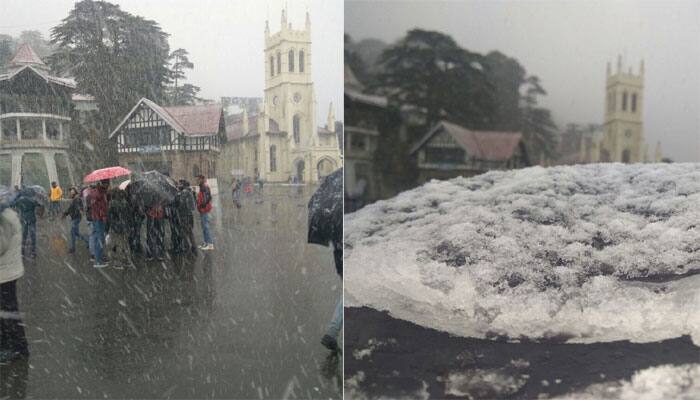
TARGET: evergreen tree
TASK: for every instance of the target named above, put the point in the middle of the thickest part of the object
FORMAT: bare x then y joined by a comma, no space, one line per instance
116,57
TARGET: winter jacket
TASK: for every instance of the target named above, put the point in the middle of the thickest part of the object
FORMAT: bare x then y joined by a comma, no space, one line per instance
120,216
182,208
56,193
74,209
204,199
98,205
11,267
26,208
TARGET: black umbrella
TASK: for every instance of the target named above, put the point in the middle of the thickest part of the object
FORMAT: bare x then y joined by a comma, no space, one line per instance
326,211
152,188
35,193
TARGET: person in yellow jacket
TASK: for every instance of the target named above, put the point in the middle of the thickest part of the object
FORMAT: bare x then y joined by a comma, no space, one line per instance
55,199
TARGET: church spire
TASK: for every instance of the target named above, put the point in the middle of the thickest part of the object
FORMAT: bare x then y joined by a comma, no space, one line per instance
330,124
245,121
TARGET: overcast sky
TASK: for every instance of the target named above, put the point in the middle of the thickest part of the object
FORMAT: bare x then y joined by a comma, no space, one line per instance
225,39
567,44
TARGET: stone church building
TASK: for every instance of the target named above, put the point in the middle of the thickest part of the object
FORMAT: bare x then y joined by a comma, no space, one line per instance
621,136
281,140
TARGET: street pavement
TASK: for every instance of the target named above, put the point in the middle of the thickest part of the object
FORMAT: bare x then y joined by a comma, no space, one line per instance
242,321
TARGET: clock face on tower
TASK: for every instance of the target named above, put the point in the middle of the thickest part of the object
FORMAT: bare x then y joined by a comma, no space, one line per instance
297,97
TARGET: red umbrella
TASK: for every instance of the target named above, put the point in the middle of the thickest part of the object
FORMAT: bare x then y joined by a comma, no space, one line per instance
106,173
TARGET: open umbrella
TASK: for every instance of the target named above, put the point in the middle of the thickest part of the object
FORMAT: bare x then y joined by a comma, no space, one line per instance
35,193
105,173
326,211
152,188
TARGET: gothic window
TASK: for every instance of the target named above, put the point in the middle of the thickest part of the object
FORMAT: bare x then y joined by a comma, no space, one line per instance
273,158
279,62
272,66
291,60
624,101
296,128
634,102
301,60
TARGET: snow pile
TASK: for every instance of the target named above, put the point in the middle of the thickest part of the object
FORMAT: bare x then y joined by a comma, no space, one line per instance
579,253
484,383
664,382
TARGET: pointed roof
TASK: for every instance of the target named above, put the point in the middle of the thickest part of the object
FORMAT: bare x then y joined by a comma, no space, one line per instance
482,145
197,120
188,120
25,55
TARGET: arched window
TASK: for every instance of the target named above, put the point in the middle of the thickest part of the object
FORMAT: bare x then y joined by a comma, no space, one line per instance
279,62
301,60
624,101
634,102
273,158
272,66
296,122
291,60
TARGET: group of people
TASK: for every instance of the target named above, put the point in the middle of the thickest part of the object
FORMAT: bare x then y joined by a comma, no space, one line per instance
119,215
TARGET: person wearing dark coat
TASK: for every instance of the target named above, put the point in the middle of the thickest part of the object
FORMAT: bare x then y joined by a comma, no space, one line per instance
74,211
183,219
155,233
326,227
26,205
137,217
120,221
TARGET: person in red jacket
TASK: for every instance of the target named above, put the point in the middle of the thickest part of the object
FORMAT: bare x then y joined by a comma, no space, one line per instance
98,210
204,206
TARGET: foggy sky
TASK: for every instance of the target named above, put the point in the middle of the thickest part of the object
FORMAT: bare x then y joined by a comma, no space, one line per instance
567,44
225,39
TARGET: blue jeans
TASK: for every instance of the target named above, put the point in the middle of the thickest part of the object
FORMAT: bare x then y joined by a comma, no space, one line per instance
75,233
54,207
337,320
29,229
98,239
205,228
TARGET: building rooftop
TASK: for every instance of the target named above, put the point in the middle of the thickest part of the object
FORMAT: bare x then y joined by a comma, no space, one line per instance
482,145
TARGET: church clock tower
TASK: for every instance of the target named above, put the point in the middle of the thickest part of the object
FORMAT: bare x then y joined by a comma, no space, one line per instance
623,139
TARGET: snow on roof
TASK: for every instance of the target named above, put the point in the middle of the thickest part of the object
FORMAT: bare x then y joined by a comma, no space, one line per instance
482,145
586,253
371,99
68,82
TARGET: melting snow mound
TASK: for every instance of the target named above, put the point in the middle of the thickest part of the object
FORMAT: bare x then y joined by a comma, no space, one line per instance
585,253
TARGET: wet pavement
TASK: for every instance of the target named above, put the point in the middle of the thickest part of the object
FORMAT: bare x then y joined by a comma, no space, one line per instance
391,358
243,321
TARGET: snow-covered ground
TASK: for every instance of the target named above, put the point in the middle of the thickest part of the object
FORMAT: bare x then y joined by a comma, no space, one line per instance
556,253
663,382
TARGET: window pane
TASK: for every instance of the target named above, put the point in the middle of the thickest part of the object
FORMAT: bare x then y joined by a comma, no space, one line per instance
9,129
31,128
5,169
63,171
34,170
